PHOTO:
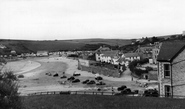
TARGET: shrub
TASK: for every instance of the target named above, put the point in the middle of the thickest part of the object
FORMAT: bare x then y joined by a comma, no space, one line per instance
9,97
149,68
139,72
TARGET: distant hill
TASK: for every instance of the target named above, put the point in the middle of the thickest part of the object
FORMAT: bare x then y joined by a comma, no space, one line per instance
22,46
111,42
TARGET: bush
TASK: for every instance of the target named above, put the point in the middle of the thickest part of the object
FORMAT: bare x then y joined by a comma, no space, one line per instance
139,72
149,68
9,97
132,66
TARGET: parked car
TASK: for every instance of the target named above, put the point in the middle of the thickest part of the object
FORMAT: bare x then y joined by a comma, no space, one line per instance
126,91
91,82
71,78
99,78
62,77
151,93
75,81
122,88
100,83
49,74
85,82
76,74
55,75
21,76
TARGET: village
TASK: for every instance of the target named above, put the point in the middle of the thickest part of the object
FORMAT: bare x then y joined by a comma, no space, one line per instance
146,71
109,67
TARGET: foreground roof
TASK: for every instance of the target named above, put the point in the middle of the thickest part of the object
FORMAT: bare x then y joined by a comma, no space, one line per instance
169,50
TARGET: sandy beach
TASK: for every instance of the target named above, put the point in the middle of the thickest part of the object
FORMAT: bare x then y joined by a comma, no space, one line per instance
36,80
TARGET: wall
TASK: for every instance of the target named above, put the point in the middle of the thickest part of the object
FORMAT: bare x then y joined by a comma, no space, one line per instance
179,74
100,70
162,81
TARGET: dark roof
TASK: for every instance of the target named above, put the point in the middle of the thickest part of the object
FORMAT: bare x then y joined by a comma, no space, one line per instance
169,50
131,54
111,53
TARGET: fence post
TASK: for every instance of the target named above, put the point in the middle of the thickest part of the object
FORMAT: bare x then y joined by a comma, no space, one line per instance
101,93
84,92
93,93
76,92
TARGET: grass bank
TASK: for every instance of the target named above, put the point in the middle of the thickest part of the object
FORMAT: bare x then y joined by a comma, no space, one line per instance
99,102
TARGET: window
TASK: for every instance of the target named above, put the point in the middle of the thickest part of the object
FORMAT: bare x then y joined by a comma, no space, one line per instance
166,70
167,90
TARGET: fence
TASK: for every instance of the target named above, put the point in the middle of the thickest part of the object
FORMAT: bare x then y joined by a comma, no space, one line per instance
72,92
81,92
102,93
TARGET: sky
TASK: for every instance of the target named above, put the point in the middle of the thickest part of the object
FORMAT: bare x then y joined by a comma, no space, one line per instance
78,19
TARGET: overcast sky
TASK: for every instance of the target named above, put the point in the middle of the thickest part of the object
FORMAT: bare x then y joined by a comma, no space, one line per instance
77,19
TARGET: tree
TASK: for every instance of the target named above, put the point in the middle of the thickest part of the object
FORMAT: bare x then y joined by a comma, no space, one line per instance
154,39
9,97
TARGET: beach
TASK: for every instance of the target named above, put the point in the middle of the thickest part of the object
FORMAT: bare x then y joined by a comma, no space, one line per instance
36,80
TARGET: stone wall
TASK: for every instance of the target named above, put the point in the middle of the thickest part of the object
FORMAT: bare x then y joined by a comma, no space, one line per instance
162,81
100,70
178,74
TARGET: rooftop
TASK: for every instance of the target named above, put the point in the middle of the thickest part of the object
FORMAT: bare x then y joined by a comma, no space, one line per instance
169,50
111,53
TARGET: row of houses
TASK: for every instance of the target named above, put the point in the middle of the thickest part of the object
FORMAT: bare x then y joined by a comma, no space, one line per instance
115,57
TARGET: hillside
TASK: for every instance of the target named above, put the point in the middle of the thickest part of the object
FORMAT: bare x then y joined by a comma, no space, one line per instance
111,42
22,46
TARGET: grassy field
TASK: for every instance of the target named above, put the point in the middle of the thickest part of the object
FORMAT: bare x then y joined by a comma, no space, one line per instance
99,102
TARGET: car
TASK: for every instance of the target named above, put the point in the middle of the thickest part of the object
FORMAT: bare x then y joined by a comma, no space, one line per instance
126,91
75,81
91,82
55,75
85,82
21,76
99,78
151,93
122,88
71,78
76,74
62,77
48,73
100,83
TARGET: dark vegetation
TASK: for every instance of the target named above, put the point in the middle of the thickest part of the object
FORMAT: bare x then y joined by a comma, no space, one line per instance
9,97
28,46
99,102
136,71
